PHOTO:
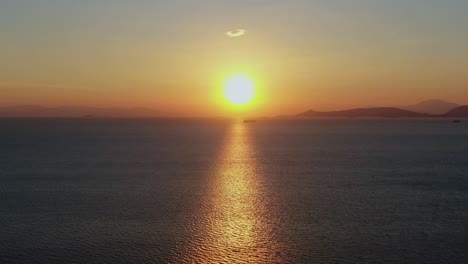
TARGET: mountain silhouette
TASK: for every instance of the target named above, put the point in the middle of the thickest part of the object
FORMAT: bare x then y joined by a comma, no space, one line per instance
390,112
434,107
75,111
461,111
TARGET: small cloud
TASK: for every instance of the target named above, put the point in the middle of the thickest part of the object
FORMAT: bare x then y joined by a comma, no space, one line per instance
236,33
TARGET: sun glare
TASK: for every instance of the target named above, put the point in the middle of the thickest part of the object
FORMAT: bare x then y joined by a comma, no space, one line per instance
239,89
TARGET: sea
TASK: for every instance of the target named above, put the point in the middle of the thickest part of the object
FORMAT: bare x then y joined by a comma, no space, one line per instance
116,191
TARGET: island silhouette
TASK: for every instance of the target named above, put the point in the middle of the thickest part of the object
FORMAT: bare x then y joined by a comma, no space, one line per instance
365,112
425,109
433,107
76,111
461,111
385,112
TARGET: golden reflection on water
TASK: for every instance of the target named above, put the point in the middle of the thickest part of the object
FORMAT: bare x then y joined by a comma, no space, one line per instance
233,227
236,199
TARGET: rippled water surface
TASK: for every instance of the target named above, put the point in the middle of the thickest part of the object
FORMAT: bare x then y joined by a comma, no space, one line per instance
211,191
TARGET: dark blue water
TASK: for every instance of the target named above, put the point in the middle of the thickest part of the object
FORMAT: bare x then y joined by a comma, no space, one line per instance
211,191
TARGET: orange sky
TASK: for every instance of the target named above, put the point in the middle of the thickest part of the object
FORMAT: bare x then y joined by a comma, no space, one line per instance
173,56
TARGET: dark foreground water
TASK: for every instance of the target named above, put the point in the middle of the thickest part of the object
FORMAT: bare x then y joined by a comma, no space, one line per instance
201,191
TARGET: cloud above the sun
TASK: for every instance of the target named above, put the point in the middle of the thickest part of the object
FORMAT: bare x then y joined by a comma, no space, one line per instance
236,33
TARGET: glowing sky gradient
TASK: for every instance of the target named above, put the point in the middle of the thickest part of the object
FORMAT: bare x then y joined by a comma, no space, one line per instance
172,55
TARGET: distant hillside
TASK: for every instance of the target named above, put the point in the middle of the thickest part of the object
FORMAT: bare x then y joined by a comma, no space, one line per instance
389,112
74,111
461,111
434,107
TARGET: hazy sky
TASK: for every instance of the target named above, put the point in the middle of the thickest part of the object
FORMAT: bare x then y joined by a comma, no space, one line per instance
172,55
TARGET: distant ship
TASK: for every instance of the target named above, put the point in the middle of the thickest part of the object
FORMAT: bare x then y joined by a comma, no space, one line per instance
456,121
250,121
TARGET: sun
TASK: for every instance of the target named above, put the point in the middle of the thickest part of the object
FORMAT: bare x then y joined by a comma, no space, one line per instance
239,89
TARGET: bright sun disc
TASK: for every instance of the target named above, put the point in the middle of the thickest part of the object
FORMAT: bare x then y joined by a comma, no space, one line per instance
239,89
